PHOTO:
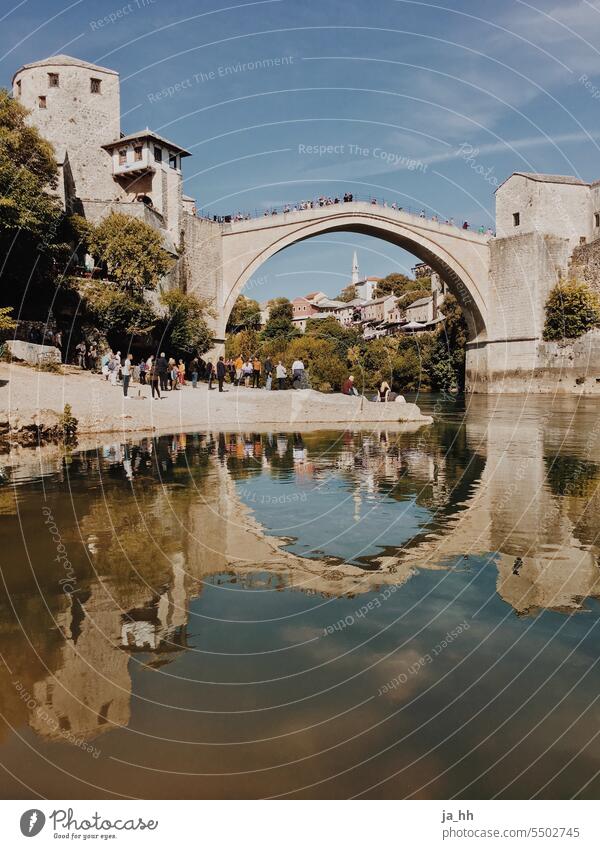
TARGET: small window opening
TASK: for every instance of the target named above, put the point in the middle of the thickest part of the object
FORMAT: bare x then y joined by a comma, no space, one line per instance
42,101
52,80
137,153
596,219
123,156
157,154
95,85
516,219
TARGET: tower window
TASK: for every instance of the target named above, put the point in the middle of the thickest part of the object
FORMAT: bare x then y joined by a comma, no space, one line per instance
42,101
137,153
95,85
123,156
173,160
157,154
516,219
596,219
52,80
18,88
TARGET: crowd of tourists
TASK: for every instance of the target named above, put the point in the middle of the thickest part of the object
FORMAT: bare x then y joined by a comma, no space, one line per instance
347,197
166,374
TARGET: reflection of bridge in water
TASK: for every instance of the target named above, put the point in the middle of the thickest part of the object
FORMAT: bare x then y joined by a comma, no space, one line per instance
135,600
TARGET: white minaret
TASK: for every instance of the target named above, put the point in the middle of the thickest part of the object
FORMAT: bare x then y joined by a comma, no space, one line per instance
354,269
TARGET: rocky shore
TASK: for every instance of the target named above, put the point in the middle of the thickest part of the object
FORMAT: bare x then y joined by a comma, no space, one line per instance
32,403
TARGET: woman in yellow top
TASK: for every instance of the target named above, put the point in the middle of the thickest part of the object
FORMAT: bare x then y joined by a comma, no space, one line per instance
181,373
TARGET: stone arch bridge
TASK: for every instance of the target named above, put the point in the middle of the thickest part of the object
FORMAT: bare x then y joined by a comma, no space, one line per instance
222,258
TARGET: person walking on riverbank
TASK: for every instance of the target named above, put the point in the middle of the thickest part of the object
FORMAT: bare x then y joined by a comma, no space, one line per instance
126,372
239,365
181,373
268,370
210,373
106,357
194,366
172,374
81,351
113,368
281,373
162,367
221,372
297,374
247,370
256,370
155,379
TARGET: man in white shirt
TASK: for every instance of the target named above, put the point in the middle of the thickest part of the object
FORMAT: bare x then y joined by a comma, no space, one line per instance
126,372
297,373
281,373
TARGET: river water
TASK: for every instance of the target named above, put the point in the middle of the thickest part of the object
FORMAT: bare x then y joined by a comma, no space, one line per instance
409,612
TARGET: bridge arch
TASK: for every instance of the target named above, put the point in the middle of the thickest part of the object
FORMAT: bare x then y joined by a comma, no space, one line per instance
460,257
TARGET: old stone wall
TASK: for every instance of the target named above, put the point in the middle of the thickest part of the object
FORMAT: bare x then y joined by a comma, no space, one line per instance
585,264
201,266
556,209
523,270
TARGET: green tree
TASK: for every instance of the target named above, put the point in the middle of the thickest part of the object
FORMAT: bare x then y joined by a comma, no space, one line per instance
325,368
245,315
446,364
348,293
245,343
115,312
132,252
572,308
30,215
329,328
396,284
7,322
186,330
279,323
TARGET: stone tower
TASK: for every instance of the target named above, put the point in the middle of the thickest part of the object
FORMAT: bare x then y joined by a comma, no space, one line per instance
75,105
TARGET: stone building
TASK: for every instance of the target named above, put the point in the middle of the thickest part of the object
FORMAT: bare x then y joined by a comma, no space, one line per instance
76,106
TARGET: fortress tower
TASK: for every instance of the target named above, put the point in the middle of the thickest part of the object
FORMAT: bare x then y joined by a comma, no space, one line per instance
76,106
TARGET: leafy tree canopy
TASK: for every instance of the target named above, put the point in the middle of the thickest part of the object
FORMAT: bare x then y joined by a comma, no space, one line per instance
131,250
245,315
280,324
347,294
396,284
186,329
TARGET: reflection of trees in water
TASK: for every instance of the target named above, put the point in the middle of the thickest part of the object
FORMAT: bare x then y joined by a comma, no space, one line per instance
569,475
145,522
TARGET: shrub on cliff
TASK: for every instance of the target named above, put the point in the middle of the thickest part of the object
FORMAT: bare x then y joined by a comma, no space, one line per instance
572,309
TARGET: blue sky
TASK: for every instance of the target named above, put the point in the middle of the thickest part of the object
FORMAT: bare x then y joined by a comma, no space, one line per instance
470,90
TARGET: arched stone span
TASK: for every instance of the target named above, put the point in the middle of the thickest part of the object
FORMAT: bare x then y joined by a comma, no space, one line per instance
461,257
